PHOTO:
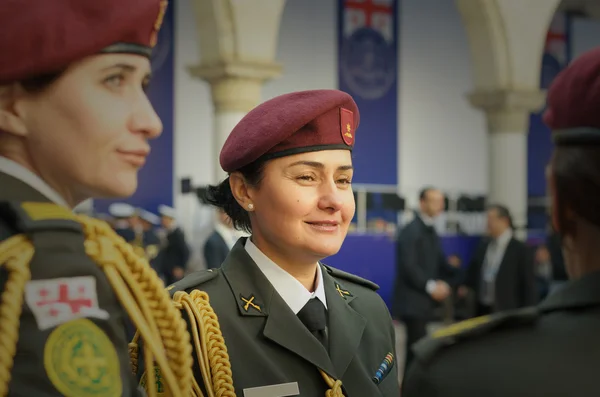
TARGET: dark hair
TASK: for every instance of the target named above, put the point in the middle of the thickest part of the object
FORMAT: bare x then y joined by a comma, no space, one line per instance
222,197
424,191
503,213
576,175
39,83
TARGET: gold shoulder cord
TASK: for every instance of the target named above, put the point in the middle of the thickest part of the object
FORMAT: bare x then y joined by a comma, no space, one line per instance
135,283
211,351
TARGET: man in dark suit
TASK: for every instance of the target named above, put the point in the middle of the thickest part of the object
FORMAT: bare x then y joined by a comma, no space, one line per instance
501,273
220,242
174,255
421,268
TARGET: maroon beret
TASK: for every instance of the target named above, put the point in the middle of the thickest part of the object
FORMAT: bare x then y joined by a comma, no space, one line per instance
298,122
573,111
45,36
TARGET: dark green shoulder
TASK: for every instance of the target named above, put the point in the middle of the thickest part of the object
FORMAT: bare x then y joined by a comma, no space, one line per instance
192,280
472,329
30,217
340,274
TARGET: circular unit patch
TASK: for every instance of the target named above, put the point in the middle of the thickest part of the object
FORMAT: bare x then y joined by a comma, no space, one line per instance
81,361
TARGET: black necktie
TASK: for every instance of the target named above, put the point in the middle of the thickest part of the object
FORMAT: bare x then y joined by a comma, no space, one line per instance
314,316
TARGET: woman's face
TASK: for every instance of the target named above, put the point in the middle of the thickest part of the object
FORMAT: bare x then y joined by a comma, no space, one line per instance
87,134
304,205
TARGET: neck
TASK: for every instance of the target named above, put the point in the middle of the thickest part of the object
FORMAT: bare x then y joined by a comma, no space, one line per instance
581,254
303,271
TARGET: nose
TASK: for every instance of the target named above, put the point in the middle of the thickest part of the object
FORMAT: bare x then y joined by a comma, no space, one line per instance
331,198
145,120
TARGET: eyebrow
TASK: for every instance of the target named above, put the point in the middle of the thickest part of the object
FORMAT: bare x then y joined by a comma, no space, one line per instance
316,164
127,68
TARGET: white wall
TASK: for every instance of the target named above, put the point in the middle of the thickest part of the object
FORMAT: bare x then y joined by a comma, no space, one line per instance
443,140
434,116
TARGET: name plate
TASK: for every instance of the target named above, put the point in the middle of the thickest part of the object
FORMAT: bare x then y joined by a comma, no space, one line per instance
281,390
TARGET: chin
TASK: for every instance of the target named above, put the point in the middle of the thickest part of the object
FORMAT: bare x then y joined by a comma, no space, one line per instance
121,186
324,250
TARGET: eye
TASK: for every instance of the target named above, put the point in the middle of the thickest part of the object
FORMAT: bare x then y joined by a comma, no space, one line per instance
115,80
309,178
344,181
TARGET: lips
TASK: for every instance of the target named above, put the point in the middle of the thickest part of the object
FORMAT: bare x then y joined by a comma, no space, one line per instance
326,226
136,158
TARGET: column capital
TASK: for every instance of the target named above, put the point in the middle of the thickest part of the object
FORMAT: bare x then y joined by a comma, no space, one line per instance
236,85
508,110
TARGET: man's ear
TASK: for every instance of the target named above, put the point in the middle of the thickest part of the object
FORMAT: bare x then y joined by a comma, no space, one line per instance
11,118
241,191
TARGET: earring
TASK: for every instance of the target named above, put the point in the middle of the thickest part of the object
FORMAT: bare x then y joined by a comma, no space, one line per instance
250,206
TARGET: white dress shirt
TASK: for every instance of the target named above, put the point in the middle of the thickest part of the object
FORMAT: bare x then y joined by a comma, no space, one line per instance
21,173
290,289
491,264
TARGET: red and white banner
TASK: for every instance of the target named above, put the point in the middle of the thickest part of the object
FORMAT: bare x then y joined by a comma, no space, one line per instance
375,14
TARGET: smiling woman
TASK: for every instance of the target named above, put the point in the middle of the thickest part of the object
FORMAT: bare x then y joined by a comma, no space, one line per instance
74,124
292,325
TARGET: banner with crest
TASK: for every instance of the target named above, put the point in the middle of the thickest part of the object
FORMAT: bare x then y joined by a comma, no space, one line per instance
368,70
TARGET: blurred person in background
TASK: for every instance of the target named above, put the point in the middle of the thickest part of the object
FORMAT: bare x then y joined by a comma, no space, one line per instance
422,270
221,241
174,254
551,349
501,272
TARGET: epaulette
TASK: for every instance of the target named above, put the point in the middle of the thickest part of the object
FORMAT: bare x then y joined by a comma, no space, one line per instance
427,348
192,280
30,217
351,277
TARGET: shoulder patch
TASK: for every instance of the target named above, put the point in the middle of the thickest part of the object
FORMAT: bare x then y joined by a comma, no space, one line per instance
351,277
27,217
192,280
427,348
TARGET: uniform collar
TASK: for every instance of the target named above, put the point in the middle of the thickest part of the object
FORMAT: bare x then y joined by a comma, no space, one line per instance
21,173
291,290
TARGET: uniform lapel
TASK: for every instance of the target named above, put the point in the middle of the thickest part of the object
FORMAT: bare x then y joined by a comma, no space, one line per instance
346,326
282,326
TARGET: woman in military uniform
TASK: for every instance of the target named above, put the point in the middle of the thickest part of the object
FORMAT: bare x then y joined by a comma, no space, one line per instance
287,323
552,349
74,124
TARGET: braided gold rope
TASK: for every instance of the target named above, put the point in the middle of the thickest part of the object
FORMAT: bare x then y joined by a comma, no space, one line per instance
335,386
15,254
171,337
138,288
210,344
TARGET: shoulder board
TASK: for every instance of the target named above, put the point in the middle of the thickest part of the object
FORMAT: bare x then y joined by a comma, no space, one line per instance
427,348
28,217
351,277
192,280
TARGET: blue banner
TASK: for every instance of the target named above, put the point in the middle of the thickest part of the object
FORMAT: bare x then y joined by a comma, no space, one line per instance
155,183
368,70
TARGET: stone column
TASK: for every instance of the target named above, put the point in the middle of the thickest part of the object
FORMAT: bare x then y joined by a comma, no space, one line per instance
507,39
507,114
236,89
238,43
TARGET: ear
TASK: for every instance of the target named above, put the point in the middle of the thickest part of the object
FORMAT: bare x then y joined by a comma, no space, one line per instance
11,120
241,190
